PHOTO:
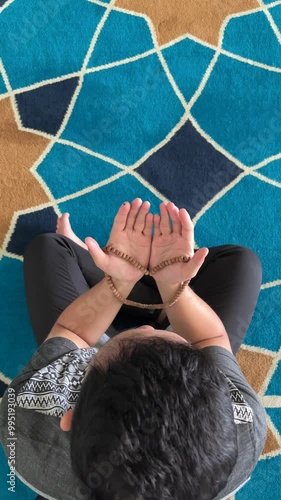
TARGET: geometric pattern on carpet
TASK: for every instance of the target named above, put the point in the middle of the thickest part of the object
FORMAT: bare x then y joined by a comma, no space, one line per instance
165,100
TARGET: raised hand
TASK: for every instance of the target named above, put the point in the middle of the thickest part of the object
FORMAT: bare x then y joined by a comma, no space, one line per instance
172,241
131,233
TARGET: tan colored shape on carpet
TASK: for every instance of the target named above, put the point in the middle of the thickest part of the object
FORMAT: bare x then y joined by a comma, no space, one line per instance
200,18
255,367
19,189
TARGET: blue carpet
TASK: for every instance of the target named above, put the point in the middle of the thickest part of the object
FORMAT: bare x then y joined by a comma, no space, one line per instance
114,100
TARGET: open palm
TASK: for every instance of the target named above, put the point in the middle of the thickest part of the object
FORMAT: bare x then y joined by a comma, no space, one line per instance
169,242
131,234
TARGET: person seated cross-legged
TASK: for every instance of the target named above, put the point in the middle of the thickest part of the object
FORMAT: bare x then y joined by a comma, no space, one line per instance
154,411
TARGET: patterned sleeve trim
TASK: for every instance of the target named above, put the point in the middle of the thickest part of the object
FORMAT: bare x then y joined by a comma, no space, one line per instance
54,389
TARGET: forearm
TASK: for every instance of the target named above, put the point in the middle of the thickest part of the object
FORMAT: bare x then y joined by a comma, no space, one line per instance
191,317
92,313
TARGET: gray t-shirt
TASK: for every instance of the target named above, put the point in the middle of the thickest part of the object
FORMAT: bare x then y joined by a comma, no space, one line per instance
49,385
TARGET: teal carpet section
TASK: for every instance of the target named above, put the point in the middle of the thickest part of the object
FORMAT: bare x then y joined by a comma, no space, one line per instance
274,415
66,170
276,14
3,88
247,201
55,43
123,122
229,106
263,331
274,386
112,44
188,61
273,169
16,331
100,104
252,37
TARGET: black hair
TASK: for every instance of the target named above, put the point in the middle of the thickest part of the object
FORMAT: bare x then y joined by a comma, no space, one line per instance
155,423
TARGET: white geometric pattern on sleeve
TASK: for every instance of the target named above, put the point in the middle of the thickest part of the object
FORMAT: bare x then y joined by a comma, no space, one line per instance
54,389
243,413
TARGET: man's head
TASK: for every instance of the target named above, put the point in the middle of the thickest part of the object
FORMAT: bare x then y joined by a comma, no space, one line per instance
153,420
111,348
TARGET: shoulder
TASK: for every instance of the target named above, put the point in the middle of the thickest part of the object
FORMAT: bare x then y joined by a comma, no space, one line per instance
246,399
61,331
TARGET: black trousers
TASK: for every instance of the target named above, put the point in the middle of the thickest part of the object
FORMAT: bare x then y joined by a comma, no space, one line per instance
57,271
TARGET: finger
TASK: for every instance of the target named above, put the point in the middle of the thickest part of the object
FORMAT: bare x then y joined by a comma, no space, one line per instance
148,225
174,215
165,227
187,227
197,261
98,255
156,222
141,216
135,205
120,218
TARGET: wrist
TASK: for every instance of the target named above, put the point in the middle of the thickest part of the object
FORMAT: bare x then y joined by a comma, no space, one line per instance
123,286
166,286
168,291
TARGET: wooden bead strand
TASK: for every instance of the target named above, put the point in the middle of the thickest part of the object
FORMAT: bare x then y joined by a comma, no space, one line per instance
168,262
122,255
145,306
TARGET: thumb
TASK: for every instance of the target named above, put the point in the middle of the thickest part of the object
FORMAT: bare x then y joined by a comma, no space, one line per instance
98,256
198,260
